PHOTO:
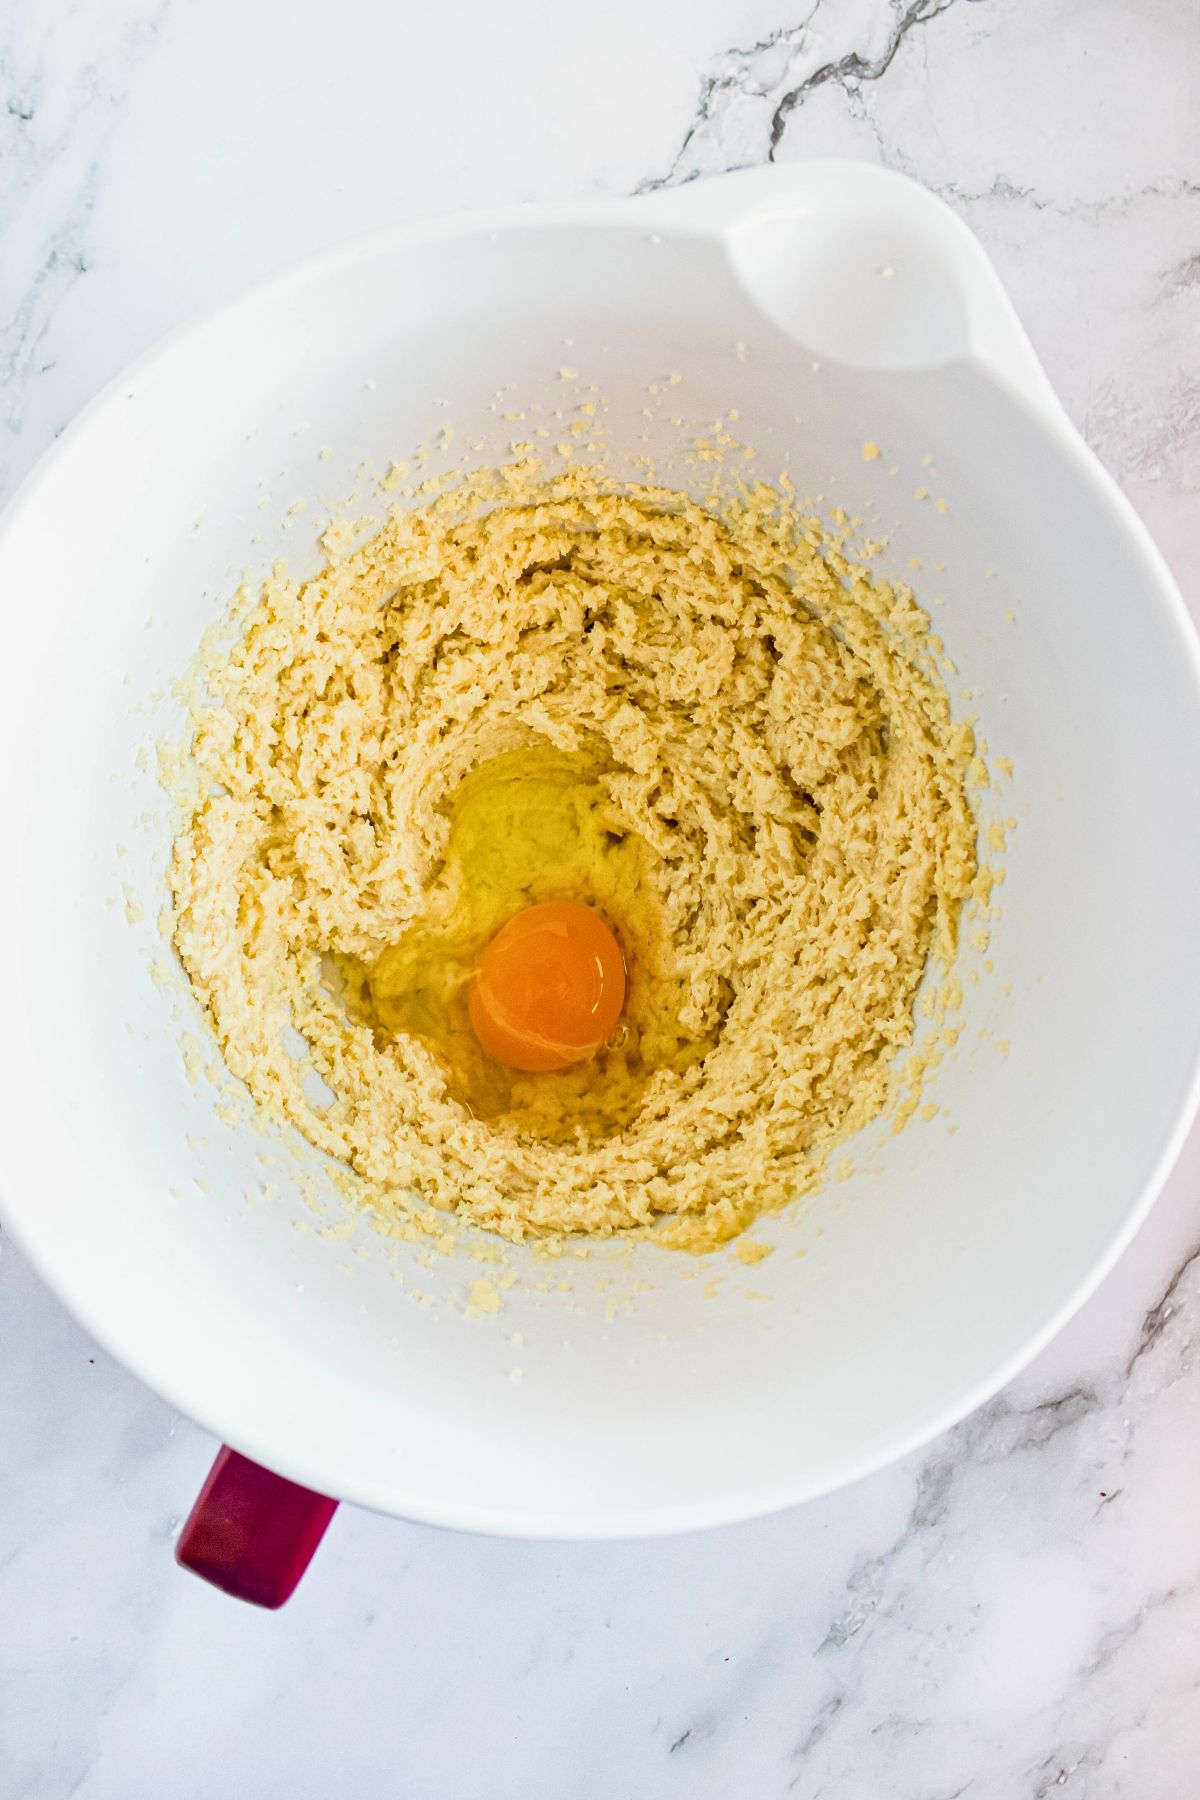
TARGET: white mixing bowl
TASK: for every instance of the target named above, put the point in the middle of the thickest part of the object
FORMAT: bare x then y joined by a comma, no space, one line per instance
632,1392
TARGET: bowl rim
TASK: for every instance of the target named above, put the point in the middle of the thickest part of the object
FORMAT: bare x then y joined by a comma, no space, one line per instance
86,1300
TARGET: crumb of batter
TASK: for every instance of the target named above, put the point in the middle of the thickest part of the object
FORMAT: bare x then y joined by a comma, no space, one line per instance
756,715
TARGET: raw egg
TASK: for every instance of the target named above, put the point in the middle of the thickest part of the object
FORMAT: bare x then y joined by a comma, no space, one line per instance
549,987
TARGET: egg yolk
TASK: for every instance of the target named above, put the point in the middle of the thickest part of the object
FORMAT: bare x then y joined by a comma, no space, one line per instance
549,988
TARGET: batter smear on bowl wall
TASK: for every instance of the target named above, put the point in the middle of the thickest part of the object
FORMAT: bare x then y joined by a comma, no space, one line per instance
593,840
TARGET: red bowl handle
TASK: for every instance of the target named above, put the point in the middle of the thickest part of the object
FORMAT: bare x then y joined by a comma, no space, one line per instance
252,1533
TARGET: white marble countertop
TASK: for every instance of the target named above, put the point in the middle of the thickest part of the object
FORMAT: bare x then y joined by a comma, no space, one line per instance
1014,1613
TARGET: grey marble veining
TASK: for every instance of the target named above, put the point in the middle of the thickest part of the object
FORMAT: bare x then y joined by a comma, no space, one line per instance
1013,1614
